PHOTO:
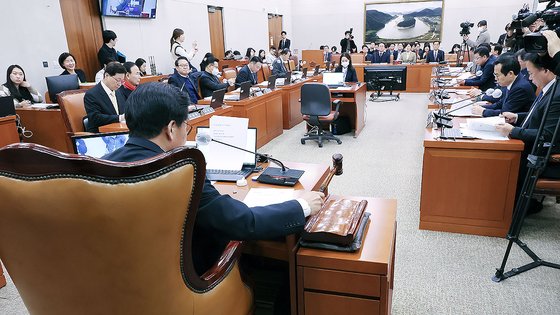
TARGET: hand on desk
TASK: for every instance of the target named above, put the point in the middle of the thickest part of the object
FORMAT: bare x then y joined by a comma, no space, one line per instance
474,92
314,200
460,82
504,129
511,118
477,110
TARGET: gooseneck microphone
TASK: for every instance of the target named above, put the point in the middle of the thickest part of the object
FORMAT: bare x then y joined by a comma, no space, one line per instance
442,118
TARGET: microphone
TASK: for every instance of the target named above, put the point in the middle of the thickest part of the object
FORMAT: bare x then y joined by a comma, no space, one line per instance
490,92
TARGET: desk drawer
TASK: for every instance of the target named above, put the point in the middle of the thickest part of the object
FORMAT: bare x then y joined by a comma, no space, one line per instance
321,304
343,282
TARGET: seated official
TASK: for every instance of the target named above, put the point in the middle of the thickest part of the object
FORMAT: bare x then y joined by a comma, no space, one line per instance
131,79
380,56
182,80
435,55
408,56
104,103
327,55
209,81
249,72
518,95
68,63
486,80
520,54
17,87
347,68
278,67
157,120
271,55
141,64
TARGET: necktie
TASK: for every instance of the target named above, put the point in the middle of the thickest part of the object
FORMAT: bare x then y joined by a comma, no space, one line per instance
114,101
435,55
537,100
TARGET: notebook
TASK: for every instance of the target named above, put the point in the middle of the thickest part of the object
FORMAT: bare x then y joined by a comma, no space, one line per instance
100,144
249,159
7,106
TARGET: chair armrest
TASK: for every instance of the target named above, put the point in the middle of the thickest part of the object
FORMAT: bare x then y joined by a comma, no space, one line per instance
218,271
554,158
337,103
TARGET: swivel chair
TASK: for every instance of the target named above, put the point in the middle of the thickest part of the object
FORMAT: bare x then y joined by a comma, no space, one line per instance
317,111
86,236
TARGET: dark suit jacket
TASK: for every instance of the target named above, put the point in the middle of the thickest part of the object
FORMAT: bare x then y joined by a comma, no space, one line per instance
344,43
125,92
278,68
221,218
525,73
99,109
106,55
350,74
285,46
486,80
209,83
328,57
384,58
185,83
518,99
440,56
245,75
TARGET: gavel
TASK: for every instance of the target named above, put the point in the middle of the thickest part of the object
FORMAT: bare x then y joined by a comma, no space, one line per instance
335,170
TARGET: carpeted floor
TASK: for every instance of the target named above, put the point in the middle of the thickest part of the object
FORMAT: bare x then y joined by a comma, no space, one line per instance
435,272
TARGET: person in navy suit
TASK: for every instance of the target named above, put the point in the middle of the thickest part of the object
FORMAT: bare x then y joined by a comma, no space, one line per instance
249,72
486,80
182,80
209,81
518,95
381,55
436,54
104,103
347,68
278,67
284,42
157,120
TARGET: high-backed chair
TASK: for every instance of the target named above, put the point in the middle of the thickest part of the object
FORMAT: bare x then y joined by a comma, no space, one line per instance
266,72
229,73
291,65
86,236
73,110
317,110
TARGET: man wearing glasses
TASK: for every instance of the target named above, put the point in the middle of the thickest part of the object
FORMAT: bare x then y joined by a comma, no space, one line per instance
486,79
182,80
104,103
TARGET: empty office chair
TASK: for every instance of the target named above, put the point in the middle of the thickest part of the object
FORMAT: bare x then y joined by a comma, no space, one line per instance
85,236
266,72
73,111
317,110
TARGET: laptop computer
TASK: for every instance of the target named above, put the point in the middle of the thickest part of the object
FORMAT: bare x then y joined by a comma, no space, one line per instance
61,83
287,79
249,159
217,99
333,79
304,73
244,90
7,107
272,82
100,144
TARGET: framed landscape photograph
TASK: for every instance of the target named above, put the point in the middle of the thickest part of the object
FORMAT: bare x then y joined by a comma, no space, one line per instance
403,21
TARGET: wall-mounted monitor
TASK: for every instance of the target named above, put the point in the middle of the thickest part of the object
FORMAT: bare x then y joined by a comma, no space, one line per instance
145,9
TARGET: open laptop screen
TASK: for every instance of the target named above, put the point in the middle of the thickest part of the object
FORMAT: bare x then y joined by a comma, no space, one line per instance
98,145
249,159
333,78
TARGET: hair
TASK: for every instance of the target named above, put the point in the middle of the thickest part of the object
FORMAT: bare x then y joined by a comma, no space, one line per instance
176,34
205,58
236,52
436,41
108,35
347,56
509,63
452,48
248,52
115,67
321,47
498,48
210,60
19,93
256,59
535,59
180,58
347,32
153,106
521,54
365,46
508,27
283,33
485,45
482,23
63,57
333,48
139,62
228,52
128,66
482,51
284,51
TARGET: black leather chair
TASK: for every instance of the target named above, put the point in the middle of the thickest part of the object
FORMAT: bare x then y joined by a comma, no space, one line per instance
317,111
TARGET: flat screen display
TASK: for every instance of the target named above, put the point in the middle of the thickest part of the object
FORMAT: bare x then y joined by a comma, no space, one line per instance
145,9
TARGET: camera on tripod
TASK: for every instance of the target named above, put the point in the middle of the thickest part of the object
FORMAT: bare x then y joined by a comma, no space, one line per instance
350,32
466,28
536,42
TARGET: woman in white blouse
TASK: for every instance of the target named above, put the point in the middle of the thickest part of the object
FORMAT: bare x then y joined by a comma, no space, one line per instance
17,87
177,49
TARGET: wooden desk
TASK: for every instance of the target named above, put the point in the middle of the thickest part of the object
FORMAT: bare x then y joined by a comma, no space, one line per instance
357,283
468,186
202,121
2,278
8,131
291,106
47,126
153,78
353,106
311,180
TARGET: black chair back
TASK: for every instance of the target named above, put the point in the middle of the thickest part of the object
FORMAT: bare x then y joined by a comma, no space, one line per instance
315,99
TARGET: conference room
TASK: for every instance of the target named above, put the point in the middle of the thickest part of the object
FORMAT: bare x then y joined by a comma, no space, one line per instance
370,183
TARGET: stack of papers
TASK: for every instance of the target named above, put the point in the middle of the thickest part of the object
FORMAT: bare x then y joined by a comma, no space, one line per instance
259,197
483,128
465,111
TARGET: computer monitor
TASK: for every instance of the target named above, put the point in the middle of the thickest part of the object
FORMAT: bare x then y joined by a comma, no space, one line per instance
217,99
7,107
272,81
389,78
99,144
61,83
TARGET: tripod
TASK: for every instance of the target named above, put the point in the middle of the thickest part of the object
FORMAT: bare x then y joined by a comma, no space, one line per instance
464,48
536,163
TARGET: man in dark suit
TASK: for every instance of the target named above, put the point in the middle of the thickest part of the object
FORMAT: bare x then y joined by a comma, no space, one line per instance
347,43
157,119
486,79
278,67
182,79
518,95
107,52
381,55
104,103
209,81
327,55
249,72
436,54
284,42
131,79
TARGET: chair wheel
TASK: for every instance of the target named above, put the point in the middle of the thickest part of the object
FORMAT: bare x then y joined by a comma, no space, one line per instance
320,145
302,141
339,141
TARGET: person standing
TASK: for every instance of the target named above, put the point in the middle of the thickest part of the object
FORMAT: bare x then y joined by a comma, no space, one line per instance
284,42
483,35
107,53
347,43
177,50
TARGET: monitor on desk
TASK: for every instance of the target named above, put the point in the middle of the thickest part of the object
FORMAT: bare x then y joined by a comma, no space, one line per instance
387,78
97,145
61,83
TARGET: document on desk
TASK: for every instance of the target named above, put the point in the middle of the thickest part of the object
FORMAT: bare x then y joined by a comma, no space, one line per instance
464,76
483,128
344,88
465,111
258,197
230,130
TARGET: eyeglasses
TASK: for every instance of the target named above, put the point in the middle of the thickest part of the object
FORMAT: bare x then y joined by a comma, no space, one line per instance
119,81
183,66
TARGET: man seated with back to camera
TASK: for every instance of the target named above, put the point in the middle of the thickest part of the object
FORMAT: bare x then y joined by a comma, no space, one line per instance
518,95
157,120
486,80
249,72
182,80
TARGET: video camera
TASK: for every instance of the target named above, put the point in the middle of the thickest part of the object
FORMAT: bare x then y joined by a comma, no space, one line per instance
466,28
350,31
536,42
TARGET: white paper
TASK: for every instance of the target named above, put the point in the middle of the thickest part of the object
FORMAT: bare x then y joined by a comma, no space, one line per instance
485,124
465,111
462,92
464,76
267,196
484,135
41,105
230,130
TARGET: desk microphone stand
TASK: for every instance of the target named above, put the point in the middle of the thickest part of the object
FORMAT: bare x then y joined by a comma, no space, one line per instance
536,163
